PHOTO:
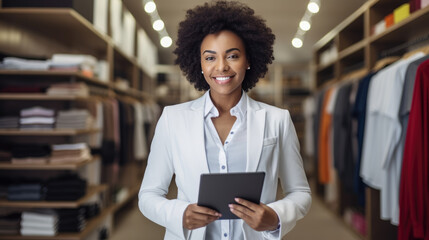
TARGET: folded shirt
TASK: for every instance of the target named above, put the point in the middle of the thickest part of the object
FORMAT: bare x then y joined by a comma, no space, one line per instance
37,111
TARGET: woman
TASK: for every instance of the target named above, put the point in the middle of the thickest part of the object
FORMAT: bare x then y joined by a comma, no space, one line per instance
224,48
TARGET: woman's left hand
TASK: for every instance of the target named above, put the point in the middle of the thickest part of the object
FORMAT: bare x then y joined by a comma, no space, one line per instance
259,217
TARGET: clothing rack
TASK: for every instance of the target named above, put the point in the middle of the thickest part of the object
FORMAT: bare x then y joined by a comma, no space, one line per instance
403,48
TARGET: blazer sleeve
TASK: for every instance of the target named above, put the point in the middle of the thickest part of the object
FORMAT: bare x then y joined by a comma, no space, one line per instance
293,180
156,181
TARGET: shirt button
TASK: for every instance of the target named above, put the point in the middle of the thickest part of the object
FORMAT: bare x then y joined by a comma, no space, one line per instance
226,142
232,132
223,167
225,235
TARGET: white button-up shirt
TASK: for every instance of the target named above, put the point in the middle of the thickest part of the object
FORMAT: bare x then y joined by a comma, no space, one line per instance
229,157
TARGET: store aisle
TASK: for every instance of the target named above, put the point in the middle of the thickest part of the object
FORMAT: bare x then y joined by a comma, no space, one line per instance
320,224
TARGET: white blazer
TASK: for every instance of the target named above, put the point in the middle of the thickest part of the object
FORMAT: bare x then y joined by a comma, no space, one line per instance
178,148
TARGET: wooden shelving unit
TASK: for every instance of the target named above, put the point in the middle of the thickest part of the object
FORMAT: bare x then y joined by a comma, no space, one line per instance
48,132
48,166
41,97
359,50
92,224
54,75
357,47
43,32
91,191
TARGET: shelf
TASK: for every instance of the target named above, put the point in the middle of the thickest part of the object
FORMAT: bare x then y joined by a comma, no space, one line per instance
91,225
352,49
53,132
325,66
41,97
48,166
91,191
41,73
60,24
403,30
132,193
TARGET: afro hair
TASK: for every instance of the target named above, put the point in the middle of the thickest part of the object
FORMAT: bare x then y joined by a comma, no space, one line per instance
217,16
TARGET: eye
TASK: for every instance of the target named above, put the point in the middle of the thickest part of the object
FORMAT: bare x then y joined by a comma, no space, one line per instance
209,58
233,56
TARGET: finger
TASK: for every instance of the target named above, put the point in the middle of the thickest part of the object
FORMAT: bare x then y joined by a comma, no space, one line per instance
243,212
205,210
248,204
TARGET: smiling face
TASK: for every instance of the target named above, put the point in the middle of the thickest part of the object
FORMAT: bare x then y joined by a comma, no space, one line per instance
224,63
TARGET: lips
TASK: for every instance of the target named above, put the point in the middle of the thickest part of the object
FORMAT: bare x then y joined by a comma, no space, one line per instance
223,79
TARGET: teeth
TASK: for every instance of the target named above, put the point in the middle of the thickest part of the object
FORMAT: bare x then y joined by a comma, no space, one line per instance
222,78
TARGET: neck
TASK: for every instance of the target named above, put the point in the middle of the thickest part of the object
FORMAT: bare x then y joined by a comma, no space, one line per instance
224,103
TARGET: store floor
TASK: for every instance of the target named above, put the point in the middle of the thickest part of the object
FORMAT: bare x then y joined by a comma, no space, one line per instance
319,223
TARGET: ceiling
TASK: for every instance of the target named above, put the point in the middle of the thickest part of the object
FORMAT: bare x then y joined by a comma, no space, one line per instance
282,16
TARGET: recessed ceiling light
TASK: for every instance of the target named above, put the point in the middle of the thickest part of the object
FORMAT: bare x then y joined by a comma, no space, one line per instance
166,41
158,25
150,7
296,42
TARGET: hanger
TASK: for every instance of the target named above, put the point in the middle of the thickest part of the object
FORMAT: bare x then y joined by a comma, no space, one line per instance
384,62
424,49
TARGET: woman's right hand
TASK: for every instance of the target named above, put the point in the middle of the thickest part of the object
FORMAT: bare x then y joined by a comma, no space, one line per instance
196,216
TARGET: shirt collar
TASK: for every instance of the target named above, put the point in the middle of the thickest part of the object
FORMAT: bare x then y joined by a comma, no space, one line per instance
238,110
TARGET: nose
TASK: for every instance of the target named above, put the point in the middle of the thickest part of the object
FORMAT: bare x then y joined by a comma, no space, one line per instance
222,65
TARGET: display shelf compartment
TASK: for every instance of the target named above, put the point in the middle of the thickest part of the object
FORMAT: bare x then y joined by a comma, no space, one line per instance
91,191
48,166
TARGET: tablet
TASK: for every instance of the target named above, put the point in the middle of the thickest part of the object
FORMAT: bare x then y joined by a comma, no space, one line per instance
217,190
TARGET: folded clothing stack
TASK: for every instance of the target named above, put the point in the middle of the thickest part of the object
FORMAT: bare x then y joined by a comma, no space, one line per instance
71,220
24,64
68,89
74,119
9,122
70,153
30,154
37,118
10,224
25,191
41,223
74,62
65,188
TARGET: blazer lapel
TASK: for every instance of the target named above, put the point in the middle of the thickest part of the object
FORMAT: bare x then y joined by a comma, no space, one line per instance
196,120
255,134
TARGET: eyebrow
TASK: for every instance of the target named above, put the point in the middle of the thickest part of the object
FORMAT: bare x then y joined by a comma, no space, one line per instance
227,51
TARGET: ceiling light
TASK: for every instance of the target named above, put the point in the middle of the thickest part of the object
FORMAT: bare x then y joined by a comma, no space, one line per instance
305,25
296,42
158,25
313,7
166,41
150,7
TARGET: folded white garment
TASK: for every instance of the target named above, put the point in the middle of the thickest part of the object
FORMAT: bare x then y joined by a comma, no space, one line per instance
29,224
72,146
37,111
37,120
44,215
25,64
37,232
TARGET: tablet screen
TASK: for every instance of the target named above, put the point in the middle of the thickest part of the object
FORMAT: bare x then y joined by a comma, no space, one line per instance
217,190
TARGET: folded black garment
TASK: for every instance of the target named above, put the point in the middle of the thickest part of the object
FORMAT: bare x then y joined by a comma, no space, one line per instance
91,210
66,212
24,151
63,197
77,228
71,222
58,191
9,231
24,187
27,196
66,181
